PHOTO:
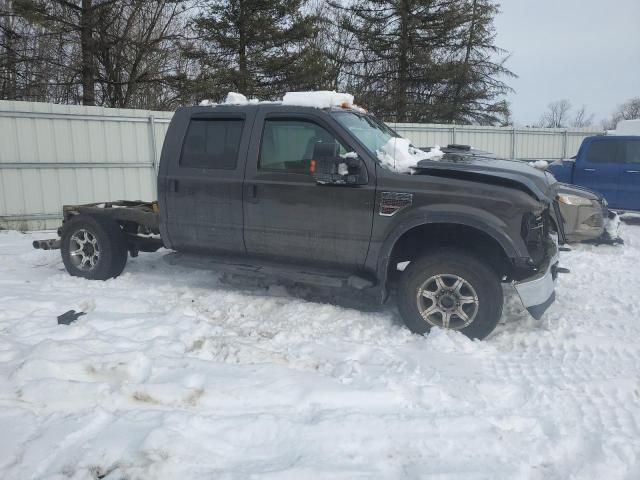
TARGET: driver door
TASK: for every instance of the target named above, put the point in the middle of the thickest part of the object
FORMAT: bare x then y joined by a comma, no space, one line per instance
286,214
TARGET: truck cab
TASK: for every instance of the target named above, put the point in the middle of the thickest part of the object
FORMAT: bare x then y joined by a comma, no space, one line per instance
610,165
236,180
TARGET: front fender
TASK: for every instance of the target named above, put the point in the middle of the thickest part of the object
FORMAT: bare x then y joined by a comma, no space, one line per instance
479,219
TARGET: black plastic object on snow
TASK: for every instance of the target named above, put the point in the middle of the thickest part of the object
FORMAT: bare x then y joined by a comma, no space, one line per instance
69,317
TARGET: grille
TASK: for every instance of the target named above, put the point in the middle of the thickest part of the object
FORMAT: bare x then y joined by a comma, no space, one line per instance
535,232
392,202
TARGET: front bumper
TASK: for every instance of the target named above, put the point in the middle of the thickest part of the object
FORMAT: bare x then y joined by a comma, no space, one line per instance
537,292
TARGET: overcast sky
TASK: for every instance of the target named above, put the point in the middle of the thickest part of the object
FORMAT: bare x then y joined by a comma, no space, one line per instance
587,51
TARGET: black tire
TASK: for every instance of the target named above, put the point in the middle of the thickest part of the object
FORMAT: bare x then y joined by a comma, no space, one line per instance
481,277
111,243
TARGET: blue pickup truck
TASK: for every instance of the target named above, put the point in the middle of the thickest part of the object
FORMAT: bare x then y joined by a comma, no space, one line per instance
609,165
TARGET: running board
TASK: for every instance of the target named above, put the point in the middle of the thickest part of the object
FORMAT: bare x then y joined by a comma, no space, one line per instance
289,272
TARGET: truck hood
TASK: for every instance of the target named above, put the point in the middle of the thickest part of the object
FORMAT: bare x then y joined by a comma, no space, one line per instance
515,173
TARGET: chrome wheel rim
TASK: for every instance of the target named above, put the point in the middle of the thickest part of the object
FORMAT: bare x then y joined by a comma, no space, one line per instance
447,301
84,250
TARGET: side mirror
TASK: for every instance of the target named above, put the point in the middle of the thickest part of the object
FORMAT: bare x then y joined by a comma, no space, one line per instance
328,168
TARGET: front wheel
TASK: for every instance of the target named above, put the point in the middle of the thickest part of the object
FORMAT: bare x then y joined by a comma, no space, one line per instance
450,289
93,247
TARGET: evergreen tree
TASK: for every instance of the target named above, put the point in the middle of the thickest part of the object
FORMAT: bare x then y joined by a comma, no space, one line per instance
256,47
427,60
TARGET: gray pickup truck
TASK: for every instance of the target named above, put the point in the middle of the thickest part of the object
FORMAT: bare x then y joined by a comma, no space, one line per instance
300,194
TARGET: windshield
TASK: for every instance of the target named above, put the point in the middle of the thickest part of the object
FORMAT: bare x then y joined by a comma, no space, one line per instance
392,151
372,133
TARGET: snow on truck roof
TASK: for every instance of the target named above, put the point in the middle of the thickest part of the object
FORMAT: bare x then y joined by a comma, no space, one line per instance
314,99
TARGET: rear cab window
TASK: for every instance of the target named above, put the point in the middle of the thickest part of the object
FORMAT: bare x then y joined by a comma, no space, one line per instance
212,143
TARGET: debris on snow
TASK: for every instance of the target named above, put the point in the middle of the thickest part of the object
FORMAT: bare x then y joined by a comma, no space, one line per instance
67,318
398,154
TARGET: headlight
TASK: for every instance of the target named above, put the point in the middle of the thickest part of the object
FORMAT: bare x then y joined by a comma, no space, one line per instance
569,199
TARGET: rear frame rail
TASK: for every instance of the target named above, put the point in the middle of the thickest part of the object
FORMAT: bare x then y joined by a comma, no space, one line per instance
139,220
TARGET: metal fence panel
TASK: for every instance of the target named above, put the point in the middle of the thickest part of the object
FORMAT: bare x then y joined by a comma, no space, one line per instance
51,155
523,143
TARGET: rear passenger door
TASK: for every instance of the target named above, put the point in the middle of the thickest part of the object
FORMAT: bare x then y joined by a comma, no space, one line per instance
204,188
630,175
598,168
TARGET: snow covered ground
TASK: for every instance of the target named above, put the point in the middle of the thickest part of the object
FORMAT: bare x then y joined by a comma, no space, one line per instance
177,374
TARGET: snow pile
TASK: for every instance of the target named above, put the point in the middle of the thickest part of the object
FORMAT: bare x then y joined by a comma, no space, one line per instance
612,225
398,154
234,98
319,99
182,374
539,164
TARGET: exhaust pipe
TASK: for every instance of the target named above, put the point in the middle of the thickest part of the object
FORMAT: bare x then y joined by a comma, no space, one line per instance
51,244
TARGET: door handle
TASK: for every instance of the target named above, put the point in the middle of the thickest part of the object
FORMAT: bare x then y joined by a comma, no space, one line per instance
632,171
173,185
589,169
252,193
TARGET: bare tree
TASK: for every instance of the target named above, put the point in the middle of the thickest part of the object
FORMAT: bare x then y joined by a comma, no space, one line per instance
8,52
629,110
73,22
137,53
582,118
557,115
95,52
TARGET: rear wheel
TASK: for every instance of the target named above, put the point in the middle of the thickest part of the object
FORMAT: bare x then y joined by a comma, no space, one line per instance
93,247
450,289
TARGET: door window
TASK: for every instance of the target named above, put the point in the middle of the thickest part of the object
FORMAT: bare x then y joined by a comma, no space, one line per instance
602,152
288,144
212,143
631,151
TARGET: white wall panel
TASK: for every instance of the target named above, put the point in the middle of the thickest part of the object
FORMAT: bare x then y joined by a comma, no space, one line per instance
118,141
523,143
